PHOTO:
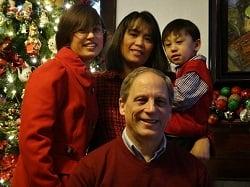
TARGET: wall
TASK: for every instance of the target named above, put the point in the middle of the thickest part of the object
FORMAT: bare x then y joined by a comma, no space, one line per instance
167,10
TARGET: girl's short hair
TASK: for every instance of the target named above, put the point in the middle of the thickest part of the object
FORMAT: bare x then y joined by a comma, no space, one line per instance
77,18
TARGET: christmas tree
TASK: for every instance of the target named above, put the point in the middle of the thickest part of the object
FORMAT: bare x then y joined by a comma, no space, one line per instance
27,40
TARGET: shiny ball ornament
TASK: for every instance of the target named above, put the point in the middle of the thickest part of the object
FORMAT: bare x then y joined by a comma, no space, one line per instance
216,94
247,104
221,104
229,115
3,64
225,91
235,97
245,115
236,90
233,105
245,94
213,119
220,114
239,109
222,97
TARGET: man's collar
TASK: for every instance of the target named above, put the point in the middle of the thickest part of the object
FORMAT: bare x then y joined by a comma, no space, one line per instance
136,151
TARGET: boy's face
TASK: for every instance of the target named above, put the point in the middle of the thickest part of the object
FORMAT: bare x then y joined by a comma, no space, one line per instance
180,47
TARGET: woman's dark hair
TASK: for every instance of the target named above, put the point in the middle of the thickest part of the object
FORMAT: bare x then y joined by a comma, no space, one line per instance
178,25
79,17
157,58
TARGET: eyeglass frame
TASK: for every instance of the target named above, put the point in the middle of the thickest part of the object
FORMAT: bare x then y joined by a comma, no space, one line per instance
97,31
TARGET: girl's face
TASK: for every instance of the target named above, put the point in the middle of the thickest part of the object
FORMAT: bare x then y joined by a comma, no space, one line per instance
137,45
180,47
88,44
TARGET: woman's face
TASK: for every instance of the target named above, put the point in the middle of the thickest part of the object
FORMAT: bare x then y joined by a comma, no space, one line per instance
88,44
137,44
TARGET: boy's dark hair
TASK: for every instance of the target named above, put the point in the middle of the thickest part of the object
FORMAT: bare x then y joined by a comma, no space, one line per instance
157,58
76,18
178,25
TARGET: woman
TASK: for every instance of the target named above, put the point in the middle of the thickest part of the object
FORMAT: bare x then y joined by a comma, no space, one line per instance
59,108
136,42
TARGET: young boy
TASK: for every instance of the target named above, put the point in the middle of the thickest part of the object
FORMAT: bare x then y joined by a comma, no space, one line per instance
192,88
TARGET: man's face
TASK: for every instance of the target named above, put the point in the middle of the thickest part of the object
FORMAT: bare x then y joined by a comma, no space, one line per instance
147,108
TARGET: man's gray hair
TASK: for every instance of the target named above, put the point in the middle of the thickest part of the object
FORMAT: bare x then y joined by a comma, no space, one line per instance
128,81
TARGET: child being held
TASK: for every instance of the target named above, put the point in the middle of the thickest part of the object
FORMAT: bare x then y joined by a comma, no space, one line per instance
192,88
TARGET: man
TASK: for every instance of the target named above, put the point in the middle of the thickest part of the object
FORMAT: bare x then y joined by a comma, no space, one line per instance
142,156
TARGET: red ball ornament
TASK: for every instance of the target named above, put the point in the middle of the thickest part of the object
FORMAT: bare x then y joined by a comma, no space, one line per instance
212,119
221,104
3,64
245,94
236,90
17,61
216,94
222,97
238,111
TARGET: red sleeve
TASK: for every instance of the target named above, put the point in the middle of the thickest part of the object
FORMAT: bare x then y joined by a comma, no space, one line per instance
38,114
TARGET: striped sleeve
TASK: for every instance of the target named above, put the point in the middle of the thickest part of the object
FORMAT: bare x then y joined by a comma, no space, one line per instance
188,90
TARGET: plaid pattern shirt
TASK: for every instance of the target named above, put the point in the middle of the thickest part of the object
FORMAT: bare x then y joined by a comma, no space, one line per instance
110,123
188,89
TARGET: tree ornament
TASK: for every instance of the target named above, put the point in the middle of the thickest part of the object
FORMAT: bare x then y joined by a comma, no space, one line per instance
24,73
3,64
52,44
32,43
247,104
17,61
33,46
225,91
245,115
216,94
245,94
235,97
221,103
2,19
11,10
213,119
43,19
236,90
23,28
25,12
5,45
233,105
2,100
229,115
238,111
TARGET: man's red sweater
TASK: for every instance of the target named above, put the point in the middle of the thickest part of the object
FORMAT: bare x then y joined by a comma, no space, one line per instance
113,165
